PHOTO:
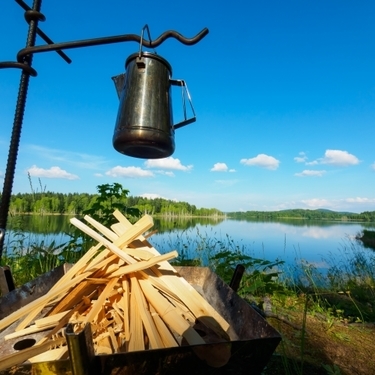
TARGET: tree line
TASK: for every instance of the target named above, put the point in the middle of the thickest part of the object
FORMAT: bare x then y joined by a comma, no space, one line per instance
114,195
76,203
303,214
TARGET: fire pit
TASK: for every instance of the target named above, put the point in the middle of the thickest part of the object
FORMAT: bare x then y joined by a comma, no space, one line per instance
252,339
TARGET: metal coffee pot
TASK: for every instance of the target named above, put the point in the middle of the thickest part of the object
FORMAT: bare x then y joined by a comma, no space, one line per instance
144,126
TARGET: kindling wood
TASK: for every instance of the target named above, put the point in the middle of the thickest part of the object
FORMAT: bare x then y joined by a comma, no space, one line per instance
128,292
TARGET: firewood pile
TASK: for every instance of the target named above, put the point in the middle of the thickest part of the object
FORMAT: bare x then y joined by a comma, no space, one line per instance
126,290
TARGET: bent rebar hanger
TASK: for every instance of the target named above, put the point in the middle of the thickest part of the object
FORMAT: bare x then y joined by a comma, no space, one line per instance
24,62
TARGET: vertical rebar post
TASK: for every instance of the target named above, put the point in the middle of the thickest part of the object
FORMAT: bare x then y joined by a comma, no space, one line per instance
32,17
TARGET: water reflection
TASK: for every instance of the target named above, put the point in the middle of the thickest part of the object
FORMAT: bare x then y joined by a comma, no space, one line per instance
170,224
289,240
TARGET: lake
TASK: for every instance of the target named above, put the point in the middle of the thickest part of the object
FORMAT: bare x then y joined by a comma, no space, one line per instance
316,242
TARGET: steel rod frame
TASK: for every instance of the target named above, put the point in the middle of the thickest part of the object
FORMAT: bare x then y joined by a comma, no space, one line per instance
34,16
24,62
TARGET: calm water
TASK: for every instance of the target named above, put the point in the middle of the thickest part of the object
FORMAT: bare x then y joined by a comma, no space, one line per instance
315,242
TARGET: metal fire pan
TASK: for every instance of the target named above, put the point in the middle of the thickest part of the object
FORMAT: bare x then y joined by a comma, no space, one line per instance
252,341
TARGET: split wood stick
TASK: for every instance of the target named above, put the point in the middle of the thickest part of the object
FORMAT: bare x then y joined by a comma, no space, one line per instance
62,323
113,340
28,331
194,301
119,228
73,297
50,355
102,261
47,321
39,303
168,313
77,267
139,266
98,304
23,355
138,253
165,334
75,270
112,236
141,226
124,303
64,289
127,237
174,298
126,225
198,305
152,333
104,254
136,339
103,345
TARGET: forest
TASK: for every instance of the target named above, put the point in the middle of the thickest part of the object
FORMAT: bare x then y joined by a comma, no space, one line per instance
46,203
302,214
75,203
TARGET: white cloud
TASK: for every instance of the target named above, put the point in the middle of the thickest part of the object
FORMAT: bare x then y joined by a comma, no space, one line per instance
130,172
340,158
151,196
263,161
219,167
333,157
373,166
155,196
166,173
53,172
301,158
360,200
311,173
167,163
317,203
315,162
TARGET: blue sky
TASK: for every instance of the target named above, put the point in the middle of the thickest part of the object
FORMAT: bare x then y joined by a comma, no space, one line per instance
284,93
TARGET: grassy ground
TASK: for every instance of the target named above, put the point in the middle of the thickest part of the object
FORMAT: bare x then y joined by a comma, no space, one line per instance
317,343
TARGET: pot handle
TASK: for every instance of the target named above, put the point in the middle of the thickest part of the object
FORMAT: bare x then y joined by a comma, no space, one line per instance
185,92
